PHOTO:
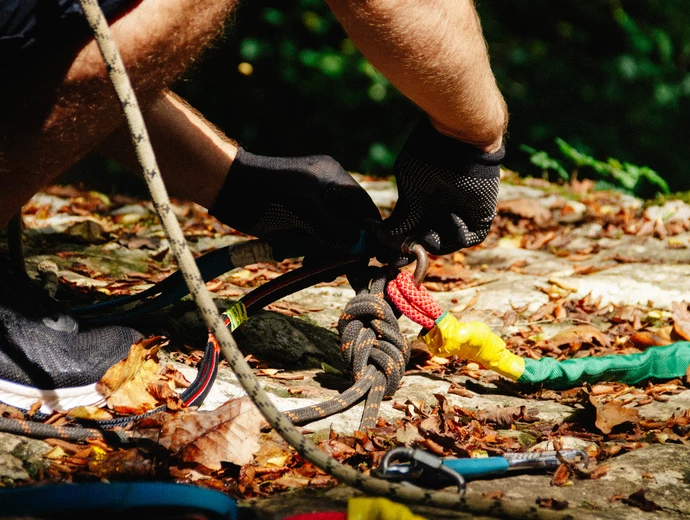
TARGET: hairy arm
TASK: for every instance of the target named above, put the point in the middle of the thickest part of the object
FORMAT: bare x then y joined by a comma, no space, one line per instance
435,54
194,156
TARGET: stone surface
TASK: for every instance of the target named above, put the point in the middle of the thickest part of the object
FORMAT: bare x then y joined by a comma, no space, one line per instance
289,343
20,456
635,270
11,468
663,472
631,270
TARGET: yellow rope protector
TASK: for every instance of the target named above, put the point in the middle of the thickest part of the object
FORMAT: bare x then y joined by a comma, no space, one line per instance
236,314
473,341
364,508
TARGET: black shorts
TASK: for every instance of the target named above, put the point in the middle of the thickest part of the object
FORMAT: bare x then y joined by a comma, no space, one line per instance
28,27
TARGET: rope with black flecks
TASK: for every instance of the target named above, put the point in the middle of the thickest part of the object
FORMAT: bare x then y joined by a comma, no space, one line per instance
207,308
371,343
38,430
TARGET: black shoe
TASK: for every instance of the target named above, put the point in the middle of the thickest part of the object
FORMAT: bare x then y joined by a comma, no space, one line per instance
45,355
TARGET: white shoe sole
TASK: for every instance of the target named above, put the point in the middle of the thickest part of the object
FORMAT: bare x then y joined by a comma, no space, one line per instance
60,399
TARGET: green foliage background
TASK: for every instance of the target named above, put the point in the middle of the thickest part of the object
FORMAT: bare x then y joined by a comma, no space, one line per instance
609,77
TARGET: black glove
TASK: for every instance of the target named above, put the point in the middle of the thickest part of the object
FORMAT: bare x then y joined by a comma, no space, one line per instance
310,201
447,192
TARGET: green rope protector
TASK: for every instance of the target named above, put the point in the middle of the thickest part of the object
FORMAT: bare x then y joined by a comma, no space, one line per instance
665,362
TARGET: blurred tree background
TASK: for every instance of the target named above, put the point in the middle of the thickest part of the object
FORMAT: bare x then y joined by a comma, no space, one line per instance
609,77
286,80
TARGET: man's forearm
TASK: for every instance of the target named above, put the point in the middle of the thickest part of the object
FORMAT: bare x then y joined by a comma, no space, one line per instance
193,155
435,54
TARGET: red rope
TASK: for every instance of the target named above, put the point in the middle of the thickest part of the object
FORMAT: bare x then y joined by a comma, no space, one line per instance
413,301
326,515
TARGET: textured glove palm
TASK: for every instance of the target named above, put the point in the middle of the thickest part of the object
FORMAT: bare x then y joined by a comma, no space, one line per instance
311,201
447,191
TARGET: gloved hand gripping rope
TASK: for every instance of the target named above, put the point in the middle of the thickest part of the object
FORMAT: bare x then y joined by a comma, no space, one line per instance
474,341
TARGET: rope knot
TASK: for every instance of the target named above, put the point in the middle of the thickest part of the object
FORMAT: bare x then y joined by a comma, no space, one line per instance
369,334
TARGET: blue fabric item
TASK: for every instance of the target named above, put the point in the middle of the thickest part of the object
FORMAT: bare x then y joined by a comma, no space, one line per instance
117,497
26,25
479,467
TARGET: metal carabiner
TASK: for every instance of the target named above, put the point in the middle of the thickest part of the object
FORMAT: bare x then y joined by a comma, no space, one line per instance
407,464
546,459
411,246
415,463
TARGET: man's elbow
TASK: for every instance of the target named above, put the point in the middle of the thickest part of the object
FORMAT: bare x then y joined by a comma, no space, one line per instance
482,127
493,128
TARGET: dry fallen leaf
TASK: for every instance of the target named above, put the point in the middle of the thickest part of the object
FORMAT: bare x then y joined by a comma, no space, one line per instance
601,389
90,231
278,374
526,208
552,503
612,413
639,500
170,373
575,337
126,370
134,396
292,308
681,320
456,389
139,242
408,435
35,407
274,452
291,481
494,495
562,476
600,471
91,413
128,385
448,272
505,417
645,339
230,433
163,393
122,463
11,412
